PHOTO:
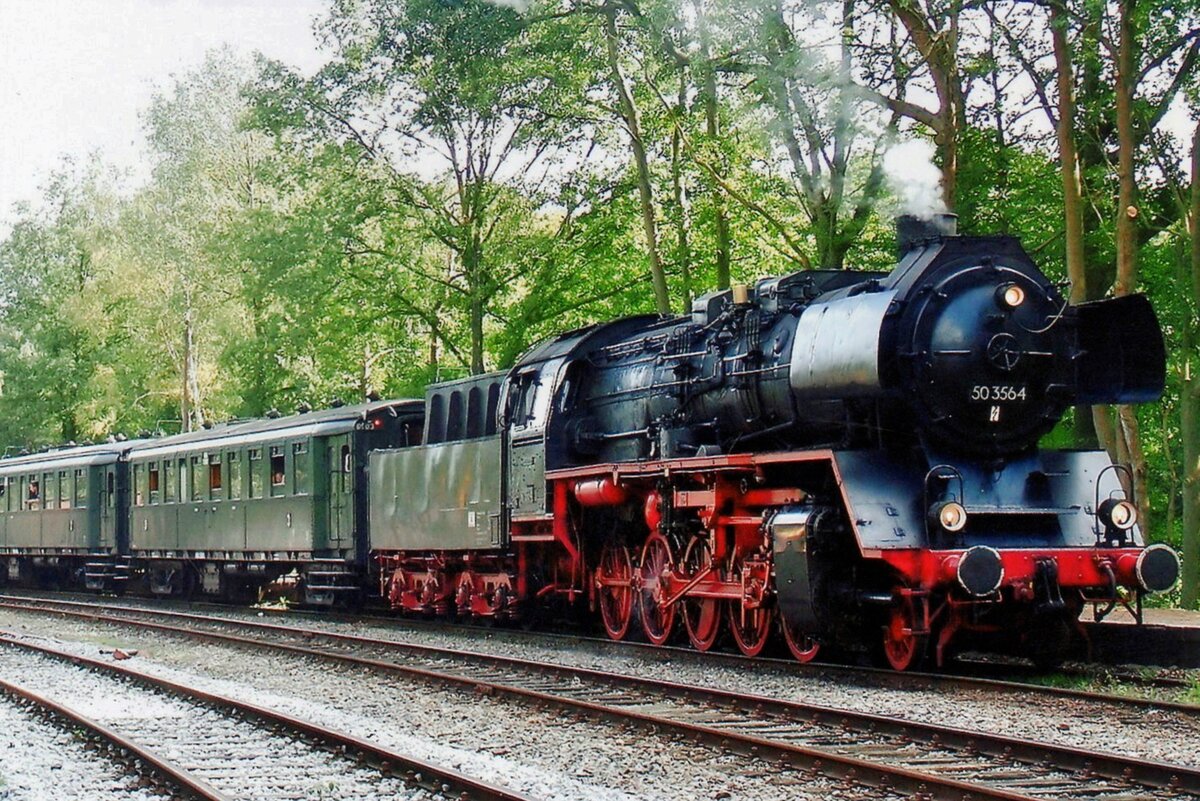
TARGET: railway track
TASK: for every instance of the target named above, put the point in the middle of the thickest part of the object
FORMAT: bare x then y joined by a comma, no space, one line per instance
888,754
987,675
223,748
154,768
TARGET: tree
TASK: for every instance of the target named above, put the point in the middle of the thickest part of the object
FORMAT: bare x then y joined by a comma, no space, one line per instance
468,90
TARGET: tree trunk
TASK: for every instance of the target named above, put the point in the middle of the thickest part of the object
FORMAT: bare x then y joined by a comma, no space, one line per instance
1189,427
629,115
712,128
682,243
476,334
191,414
1127,212
434,333
1068,159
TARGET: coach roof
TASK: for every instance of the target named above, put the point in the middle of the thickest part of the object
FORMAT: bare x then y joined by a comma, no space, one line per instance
321,422
65,458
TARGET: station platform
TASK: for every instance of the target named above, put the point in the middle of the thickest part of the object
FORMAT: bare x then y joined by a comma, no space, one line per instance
1167,637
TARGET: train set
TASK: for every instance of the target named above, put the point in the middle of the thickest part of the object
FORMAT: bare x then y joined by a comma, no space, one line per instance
844,458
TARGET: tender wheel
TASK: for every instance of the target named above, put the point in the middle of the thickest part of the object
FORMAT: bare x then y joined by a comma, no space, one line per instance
614,585
701,616
901,647
803,646
657,620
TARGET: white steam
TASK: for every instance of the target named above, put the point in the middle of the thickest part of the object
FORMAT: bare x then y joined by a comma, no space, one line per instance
519,6
914,178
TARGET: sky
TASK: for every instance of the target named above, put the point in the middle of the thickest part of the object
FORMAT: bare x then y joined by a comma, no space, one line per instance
76,74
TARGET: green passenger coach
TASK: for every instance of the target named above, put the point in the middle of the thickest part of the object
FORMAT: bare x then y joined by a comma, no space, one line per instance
229,509
61,519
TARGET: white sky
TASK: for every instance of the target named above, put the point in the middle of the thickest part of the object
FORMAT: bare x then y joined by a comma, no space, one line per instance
75,74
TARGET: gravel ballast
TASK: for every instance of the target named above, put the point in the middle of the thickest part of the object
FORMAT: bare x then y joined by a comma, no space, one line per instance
540,753
1160,735
41,760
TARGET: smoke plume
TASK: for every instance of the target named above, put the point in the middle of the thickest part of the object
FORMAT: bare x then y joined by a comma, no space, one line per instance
914,178
519,6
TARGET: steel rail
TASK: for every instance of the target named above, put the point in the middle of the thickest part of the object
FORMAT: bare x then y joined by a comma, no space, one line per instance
388,761
188,783
1090,764
906,680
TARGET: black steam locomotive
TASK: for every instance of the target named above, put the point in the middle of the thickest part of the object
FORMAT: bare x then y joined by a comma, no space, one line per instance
849,458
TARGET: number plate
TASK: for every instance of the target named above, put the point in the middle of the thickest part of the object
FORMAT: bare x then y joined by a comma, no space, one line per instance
998,393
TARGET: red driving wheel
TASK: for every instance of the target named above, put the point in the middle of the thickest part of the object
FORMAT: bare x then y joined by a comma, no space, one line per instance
656,567
701,616
614,589
902,648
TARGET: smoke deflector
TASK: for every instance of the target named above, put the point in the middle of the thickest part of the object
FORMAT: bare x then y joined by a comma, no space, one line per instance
1122,356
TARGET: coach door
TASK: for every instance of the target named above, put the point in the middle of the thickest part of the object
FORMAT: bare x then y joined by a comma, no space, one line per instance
341,490
108,507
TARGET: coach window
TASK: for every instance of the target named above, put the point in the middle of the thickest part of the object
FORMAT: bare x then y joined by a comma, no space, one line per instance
235,475
139,485
64,489
256,473
5,495
49,491
199,478
215,484
152,481
81,489
181,465
278,472
300,467
170,483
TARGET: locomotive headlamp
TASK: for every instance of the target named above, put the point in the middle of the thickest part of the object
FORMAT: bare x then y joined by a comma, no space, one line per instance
1010,295
950,515
1118,514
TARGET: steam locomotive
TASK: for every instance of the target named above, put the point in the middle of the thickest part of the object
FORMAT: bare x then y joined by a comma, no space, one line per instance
846,458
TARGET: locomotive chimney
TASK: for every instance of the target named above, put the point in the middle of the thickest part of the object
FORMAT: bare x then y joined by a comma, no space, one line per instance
913,232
